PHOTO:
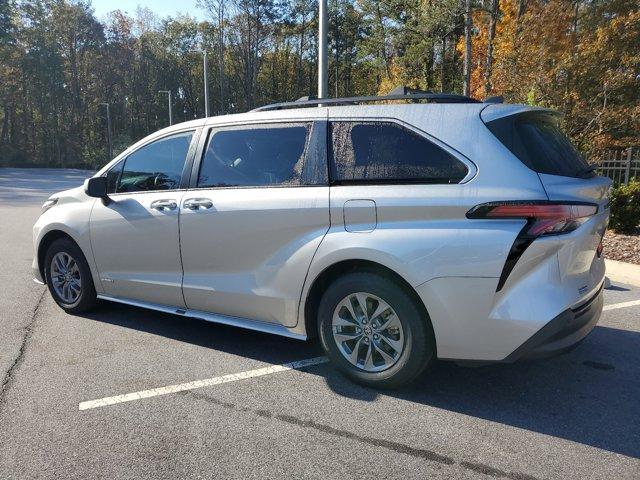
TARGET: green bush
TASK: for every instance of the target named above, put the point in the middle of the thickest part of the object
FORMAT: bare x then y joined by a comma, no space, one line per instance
625,208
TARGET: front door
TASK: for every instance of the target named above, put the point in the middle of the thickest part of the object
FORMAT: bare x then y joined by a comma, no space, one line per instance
135,237
251,225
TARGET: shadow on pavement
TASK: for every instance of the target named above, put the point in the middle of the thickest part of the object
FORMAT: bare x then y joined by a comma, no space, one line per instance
589,396
616,288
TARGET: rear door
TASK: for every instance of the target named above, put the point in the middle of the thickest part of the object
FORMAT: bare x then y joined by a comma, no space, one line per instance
257,212
398,198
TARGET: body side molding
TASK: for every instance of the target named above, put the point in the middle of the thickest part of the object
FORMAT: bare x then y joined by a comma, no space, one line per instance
265,327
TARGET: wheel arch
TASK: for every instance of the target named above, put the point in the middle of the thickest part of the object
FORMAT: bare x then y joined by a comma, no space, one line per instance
336,270
44,244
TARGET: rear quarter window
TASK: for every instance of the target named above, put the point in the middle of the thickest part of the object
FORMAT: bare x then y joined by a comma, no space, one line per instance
539,142
384,152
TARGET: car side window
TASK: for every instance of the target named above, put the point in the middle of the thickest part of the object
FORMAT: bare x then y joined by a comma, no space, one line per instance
156,166
255,156
384,152
113,176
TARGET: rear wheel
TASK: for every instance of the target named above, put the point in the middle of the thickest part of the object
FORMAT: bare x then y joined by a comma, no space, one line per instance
68,277
373,331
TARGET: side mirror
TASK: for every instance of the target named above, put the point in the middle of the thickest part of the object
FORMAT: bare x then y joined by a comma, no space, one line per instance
97,187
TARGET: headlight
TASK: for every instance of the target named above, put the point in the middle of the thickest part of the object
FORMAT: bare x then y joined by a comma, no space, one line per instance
48,204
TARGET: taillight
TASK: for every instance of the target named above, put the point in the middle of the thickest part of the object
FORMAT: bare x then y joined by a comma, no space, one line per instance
542,217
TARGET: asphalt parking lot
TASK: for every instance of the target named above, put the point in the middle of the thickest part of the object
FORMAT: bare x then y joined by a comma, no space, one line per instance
66,412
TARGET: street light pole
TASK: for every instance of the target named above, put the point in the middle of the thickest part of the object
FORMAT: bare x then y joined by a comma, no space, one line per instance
168,92
323,66
109,144
205,75
206,85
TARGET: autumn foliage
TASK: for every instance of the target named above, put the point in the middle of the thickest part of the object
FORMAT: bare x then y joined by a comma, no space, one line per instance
582,58
60,65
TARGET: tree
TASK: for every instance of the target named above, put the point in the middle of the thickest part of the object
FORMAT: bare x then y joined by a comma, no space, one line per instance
59,64
493,19
217,10
468,25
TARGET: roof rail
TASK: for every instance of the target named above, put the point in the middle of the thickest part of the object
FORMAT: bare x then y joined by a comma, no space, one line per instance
404,90
400,93
494,99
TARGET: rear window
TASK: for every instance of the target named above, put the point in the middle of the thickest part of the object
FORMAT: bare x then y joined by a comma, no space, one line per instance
382,152
538,141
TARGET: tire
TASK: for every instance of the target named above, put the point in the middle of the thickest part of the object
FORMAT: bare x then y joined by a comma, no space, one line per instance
418,345
81,298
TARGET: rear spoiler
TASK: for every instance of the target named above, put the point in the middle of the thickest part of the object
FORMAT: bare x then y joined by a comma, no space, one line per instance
496,111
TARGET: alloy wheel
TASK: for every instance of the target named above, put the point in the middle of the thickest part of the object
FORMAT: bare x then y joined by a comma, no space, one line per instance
65,277
368,332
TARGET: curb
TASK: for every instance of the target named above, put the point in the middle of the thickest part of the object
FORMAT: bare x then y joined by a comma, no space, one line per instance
623,272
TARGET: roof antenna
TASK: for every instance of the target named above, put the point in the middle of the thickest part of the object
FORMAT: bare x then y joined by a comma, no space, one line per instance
494,99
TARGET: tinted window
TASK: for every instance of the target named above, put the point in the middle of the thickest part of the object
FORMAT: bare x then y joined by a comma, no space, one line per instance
539,142
157,166
254,156
386,152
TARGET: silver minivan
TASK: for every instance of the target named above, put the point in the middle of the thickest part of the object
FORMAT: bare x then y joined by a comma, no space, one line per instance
397,233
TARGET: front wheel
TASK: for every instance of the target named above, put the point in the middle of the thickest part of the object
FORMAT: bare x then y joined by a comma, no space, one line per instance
373,331
68,277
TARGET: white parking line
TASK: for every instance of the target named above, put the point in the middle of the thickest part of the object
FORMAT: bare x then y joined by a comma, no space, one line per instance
614,306
234,377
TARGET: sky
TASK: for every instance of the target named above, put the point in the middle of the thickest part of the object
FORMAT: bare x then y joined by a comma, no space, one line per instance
162,8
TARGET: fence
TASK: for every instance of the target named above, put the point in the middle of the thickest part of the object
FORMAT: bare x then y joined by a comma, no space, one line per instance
620,165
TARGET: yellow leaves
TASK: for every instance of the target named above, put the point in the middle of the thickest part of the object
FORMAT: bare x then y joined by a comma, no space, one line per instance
581,59
388,83
398,77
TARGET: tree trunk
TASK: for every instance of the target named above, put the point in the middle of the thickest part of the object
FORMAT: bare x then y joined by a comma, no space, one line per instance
443,68
4,136
466,71
522,6
429,64
493,18
299,60
383,46
336,60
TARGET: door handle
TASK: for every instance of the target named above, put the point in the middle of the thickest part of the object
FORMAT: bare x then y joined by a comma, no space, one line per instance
164,205
197,203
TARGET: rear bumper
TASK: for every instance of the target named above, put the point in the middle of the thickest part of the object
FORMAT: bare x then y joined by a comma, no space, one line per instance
562,333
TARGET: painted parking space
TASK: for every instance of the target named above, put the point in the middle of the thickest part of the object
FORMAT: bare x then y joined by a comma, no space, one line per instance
259,372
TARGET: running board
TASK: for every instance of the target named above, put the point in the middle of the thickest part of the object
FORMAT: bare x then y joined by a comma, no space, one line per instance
264,327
